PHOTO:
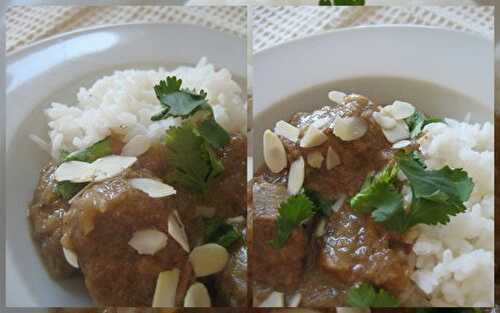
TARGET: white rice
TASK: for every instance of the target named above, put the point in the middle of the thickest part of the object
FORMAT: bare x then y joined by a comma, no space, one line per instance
125,101
455,262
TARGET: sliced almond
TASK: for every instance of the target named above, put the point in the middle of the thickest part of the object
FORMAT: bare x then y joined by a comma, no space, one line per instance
236,220
166,289
154,188
296,176
75,172
320,228
337,96
177,231
401,144
339,203
321,123
148,241
274,152
111,166
385,121
399,110
350,128
315,159
70,257
400,132
274,300
208,259
313,137
294,300
136,146
197,296
332,159
287,130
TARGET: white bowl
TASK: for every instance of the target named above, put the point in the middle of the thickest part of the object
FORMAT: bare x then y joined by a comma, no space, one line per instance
442,72
53,70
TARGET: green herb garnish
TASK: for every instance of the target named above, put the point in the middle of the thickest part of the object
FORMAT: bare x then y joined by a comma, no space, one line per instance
341,2
215,135
417,122
291,213
178,102
90,154
193,160
436,195
321,205
67,190
365,296
220,232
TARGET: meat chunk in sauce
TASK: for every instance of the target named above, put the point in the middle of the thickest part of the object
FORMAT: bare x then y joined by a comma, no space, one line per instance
232,281
46,216
354,249
280,268
98,227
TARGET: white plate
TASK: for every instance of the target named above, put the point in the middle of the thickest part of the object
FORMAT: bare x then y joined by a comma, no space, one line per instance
443,73
53,70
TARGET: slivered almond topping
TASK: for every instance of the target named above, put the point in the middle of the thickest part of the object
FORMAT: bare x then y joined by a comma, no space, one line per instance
274,152
337,96
75,172
350,128
339,203
111,166
154,188
236,220
208,259
399,110
70,257
166,289
320,228
401,144
197,296
385,121
313,137
274,300
136,146
332,159
315,159
177,231
294,300
398,133
296,176
287,130
148,241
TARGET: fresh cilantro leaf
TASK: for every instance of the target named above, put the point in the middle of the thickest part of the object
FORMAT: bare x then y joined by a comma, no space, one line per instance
321,205
178,102
68,190
193,160
417,122
90,154
291,213
378,196
341,2
436,195
213,133
365,296
220,232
